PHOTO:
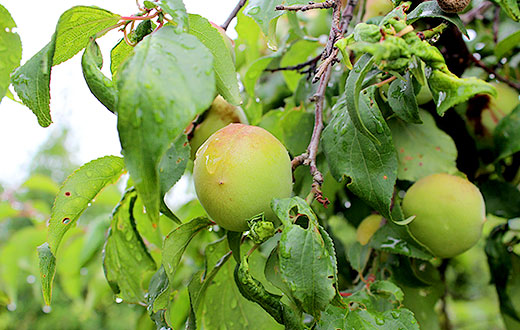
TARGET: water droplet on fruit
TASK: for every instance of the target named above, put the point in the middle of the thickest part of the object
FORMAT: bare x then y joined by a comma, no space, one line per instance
212,164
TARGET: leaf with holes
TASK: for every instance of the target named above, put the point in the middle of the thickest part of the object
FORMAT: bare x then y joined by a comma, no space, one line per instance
307,262
78,191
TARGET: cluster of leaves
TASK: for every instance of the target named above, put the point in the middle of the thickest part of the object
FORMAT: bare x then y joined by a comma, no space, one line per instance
306,273
82,296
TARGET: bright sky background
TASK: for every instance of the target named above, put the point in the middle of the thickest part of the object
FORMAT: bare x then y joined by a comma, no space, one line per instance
92,126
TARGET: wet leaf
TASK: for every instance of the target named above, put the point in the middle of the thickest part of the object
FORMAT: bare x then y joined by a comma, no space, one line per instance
422,149
10,49
153,112
78,191
371,167
126,259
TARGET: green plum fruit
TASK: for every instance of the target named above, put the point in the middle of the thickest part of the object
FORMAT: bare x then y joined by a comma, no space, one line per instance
499,107
367,228
219,115
449,213
238,171
374,8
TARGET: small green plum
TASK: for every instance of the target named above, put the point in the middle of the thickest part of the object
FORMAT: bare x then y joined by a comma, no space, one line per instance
238,171
219,115
498,107
374,8
367,228
449,213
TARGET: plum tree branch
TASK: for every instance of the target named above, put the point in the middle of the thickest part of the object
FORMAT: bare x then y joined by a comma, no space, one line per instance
233,14
489,70
311,5
340,22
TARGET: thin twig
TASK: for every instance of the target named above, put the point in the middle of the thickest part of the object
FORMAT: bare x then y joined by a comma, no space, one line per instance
476,12
311,5
234,13
386,81
298,67
496,21
489,70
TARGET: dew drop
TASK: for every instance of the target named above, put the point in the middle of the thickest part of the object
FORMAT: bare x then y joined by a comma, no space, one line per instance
119,300
254,11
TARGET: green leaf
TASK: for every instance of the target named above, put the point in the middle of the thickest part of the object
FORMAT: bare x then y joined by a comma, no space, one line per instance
158,297
511,7
507,134
102,87
201,281
118,54
388,289
176,242
73,31
364,319
75,28
333,318
10,51
394,238
507,44
358,256
254,291
502,198
122,50
31,83
422,149
371,167
352,94
80,188
173,163
177,10
224,306
126,260
47,270
293,128
504,267
162,87
432,9
264,11
449,90
225,74
401,98
254,71
306,263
